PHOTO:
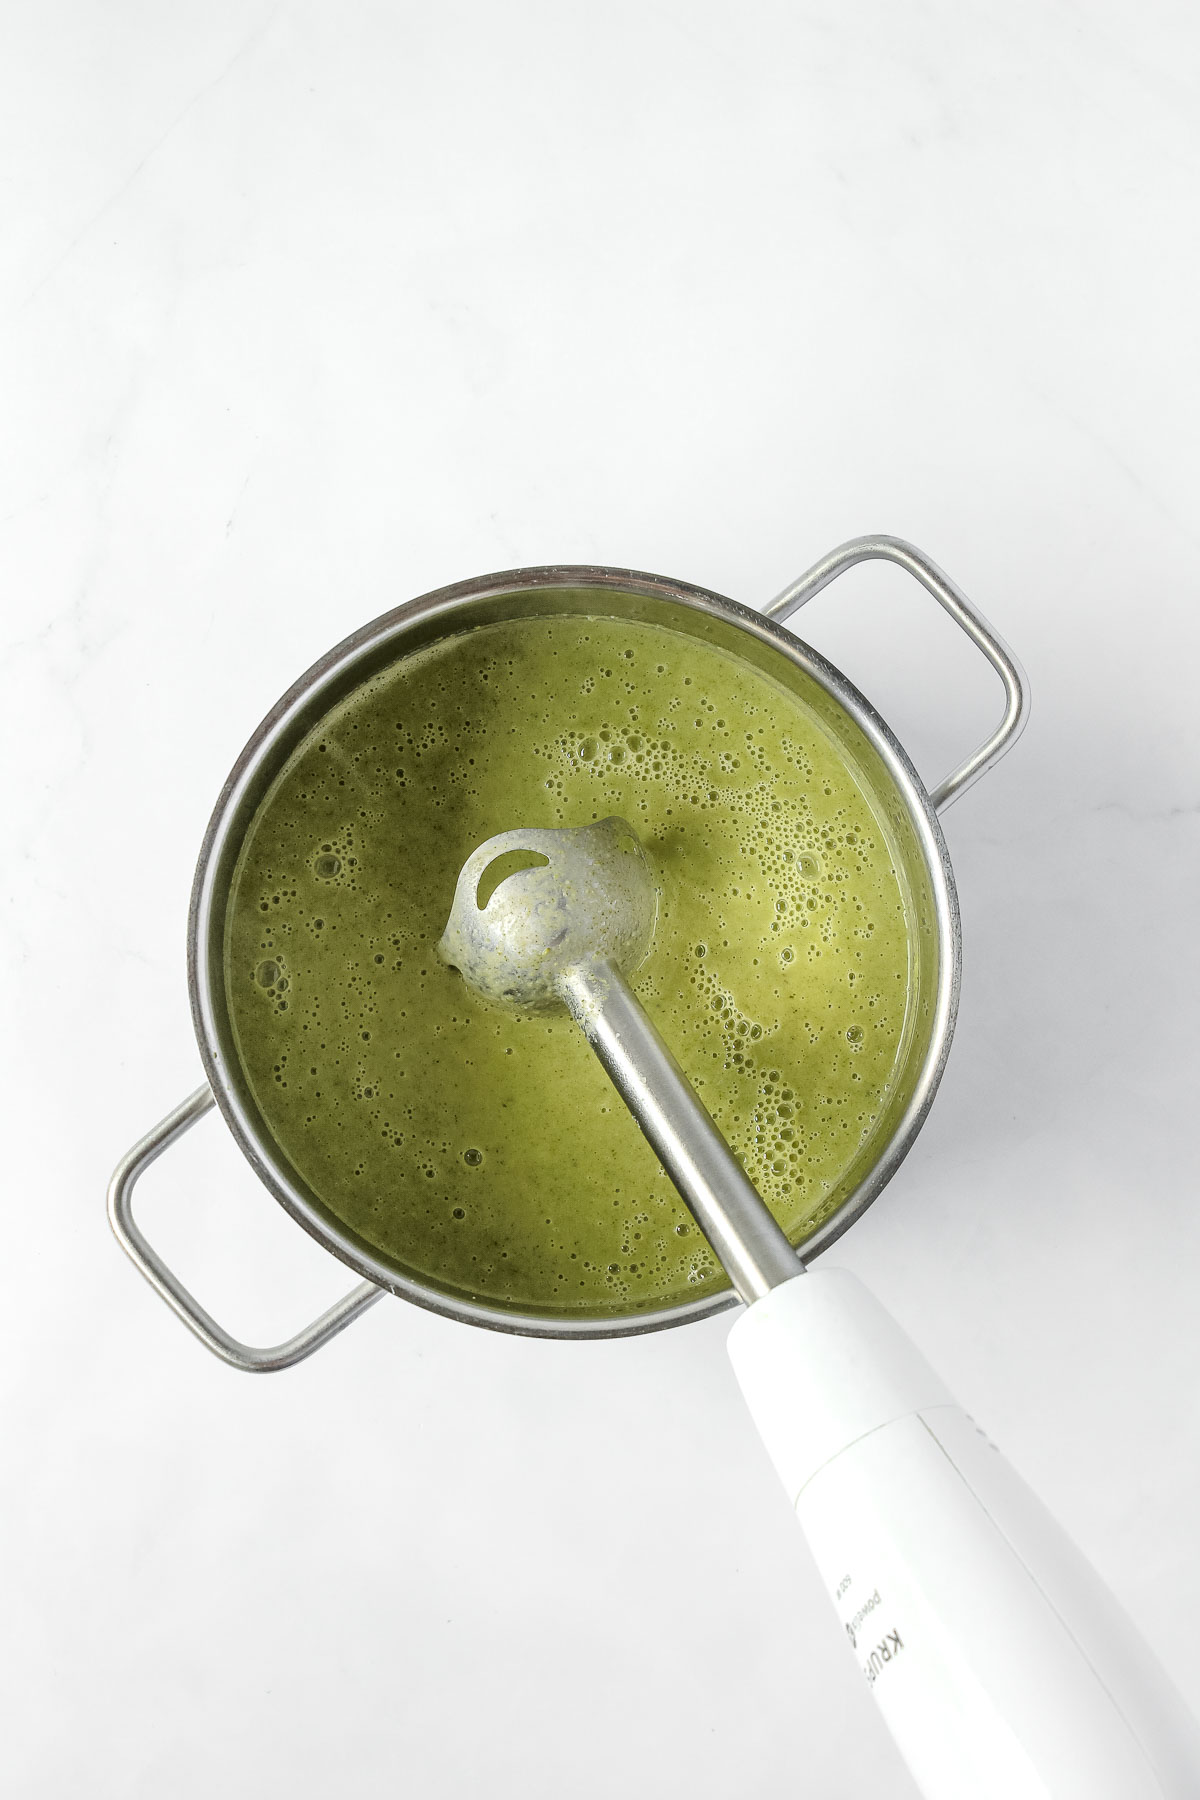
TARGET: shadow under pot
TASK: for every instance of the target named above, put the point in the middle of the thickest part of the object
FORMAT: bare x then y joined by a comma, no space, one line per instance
804,970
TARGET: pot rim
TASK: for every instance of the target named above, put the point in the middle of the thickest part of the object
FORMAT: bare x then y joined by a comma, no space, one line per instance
441,604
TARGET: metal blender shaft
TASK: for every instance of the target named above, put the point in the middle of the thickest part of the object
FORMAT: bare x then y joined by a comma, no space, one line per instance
753,1250
558,928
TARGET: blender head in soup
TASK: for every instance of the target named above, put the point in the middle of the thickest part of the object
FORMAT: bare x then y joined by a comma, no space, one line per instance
533,908
569,929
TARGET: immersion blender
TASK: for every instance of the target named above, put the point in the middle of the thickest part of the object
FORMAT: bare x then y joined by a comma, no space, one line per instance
1003,1667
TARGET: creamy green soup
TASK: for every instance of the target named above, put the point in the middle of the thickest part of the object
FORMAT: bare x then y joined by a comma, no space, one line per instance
485,1152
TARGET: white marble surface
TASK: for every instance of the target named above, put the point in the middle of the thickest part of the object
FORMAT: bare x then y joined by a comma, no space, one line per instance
311,308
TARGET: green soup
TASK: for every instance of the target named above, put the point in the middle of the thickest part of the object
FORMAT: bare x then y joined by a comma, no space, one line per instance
483,1152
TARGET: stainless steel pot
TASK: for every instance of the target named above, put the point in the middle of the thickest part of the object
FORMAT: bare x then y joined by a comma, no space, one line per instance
911,814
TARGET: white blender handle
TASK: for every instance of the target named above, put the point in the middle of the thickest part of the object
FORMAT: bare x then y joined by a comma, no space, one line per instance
1003,1667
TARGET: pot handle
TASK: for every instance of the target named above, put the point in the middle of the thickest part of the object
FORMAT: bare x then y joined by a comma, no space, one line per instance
961,610
125,1177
